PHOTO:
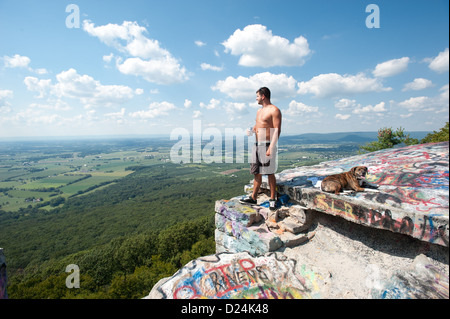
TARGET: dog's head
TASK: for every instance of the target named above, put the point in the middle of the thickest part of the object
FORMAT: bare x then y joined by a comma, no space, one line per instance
359,172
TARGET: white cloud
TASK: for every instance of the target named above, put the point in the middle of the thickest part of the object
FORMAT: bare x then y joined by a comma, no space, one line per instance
19,61
108,58
213,104
342,116
257,46
165,71
118,117
437,104
333,85
199,43
6,94
16,61
345,104
243,88
90,91
439,63
296,108
391,67
52,105
417,84
86,89
149,60
378,108
36,85
196,114
206,66
5,106
187,103
155,109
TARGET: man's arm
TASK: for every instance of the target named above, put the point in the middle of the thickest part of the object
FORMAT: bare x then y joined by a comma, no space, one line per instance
275,131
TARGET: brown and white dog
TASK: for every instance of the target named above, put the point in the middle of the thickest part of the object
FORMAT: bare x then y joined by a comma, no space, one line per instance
351,180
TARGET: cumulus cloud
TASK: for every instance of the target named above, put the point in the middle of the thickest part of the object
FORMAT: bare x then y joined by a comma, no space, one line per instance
199,43
378,108
417,84
206,66
187,103
391,67
439,63
345,104
244,88
155,109
342,116
5,106
257,46
38,85
213,104
196,114
149,60
87,90
333,85
16,61
19,61
437,104
296,108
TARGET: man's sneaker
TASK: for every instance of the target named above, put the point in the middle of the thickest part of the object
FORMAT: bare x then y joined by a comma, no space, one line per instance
249,201
272,204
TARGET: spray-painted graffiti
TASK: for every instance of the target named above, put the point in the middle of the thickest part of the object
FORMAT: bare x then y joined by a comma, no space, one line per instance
230,276
413,181
425,281
422,227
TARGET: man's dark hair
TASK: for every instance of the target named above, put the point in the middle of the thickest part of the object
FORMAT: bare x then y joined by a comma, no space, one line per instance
264,91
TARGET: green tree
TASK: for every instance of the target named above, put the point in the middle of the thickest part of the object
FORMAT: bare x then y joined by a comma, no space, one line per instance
435,137
388,138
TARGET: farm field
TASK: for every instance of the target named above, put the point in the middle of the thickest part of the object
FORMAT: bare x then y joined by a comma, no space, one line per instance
36,177
44,174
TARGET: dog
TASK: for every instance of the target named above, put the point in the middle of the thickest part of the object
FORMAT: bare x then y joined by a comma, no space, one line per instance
352,180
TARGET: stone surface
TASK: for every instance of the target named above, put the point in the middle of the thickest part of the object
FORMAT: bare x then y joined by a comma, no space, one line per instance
412,195
241,228
239,276
369,263
256,229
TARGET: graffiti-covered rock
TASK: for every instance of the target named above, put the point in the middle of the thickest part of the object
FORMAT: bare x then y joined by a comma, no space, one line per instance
406,190
238,276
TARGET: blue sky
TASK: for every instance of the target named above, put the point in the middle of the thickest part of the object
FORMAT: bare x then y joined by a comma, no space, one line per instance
149,67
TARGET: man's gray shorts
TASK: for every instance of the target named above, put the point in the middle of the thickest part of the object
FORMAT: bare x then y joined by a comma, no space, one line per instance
261,163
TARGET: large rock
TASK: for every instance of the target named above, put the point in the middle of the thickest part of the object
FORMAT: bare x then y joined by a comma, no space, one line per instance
229,276
258,230
411,195
422,280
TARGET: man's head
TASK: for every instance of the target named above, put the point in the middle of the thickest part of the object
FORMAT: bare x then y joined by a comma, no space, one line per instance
263,92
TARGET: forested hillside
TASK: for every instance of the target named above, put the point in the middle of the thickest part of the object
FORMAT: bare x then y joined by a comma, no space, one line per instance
124,237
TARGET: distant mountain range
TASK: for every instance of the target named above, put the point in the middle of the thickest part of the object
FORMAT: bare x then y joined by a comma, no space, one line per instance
342,137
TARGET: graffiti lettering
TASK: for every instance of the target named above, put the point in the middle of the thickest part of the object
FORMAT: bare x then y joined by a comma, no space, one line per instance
383,219
242,276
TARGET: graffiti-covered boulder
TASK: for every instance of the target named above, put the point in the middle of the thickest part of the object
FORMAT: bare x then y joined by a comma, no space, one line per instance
406,190
238,276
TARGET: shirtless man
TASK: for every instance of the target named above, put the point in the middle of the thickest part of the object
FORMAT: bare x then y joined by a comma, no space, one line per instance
264,152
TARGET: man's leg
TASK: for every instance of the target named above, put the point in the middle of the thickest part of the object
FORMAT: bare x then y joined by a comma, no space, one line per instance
256,185
273,186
